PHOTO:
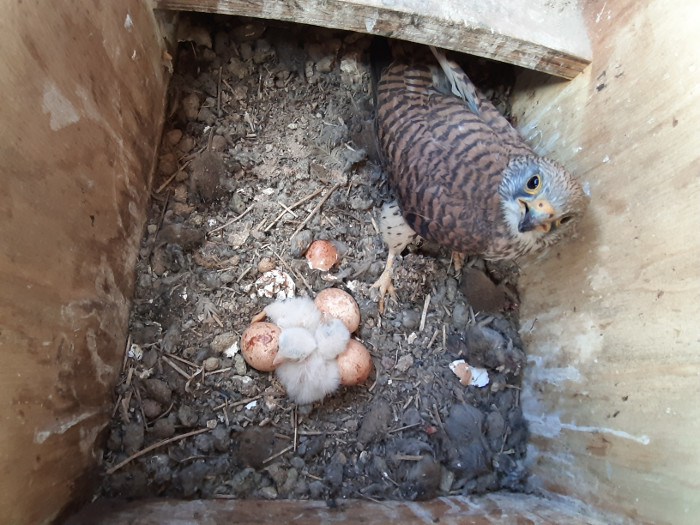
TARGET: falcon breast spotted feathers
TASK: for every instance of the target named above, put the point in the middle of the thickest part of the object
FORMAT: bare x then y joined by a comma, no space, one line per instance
462,175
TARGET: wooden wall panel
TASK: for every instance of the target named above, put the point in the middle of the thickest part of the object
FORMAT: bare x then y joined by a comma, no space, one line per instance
544,35
82,86
612,320
497,509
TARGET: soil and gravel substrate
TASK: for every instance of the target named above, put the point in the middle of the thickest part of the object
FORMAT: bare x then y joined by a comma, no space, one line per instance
265,121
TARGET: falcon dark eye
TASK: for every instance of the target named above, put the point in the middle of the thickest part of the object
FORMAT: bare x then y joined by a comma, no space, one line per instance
564,220
532,184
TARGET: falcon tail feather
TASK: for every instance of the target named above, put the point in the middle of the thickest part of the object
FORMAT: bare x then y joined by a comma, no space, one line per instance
380,57
460,84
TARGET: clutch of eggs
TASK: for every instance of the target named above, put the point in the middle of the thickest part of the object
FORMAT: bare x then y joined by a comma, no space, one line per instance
259,342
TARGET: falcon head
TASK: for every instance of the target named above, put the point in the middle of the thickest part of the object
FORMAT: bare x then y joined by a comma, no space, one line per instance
541,201
295,344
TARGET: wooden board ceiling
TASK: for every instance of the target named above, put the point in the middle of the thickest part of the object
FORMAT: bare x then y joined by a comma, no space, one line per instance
543,35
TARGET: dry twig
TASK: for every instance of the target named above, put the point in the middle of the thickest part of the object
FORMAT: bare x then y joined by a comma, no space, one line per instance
177,368
432,339
318,207
289,268
425,313
290,208
233,220
238,403
155,446
403,428
183,360
168,181
218,95
283,451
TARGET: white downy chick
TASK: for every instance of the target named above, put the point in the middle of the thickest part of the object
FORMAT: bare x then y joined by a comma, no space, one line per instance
331,338
295,344
305,374
295,311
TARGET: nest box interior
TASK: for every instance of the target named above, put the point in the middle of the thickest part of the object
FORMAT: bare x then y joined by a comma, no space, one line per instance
609,321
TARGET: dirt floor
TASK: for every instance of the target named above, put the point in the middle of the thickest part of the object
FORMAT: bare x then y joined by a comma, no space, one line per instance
266,122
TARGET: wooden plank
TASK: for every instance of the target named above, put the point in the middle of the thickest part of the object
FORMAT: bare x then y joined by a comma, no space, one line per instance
544,35
502,508
83,95
611,319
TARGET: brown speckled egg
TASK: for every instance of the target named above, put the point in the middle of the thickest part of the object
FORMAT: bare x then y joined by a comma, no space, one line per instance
322,255
341,305
354,363
259,345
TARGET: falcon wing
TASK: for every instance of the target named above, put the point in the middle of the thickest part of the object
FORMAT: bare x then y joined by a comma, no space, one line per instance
461,86
443,161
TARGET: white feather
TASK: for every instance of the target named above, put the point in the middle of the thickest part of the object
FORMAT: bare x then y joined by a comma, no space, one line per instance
307,350
309,380
331,338
296,311
296,343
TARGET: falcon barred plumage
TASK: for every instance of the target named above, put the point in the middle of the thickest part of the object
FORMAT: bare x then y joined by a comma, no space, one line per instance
462,175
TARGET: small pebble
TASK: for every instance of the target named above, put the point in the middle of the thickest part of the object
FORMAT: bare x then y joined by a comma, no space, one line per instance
186,144
159,390
173,136
351,425
187,415
316,489
325,65
133,437
221,439
278,474
239,365
150,357
151,408
207,116
163,429
300,243
218,143
204,443
297,462
268,492
190,106
404,363
167,164
223,342
266,264
334,470
211,363
410,319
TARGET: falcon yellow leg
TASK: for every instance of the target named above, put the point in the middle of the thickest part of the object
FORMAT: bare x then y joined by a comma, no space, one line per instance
384,282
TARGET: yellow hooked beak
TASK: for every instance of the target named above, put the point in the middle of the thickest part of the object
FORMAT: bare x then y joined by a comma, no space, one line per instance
535,215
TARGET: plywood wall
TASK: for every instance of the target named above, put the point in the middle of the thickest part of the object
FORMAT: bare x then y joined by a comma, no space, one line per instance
544,35
82,88
612,320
